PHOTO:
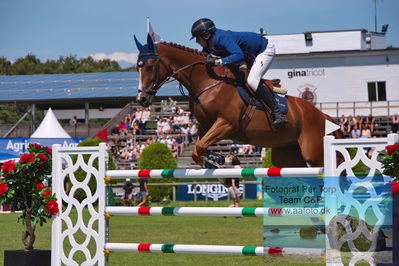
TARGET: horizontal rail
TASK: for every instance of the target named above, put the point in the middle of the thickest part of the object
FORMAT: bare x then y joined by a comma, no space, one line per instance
216,173
213,249
216,211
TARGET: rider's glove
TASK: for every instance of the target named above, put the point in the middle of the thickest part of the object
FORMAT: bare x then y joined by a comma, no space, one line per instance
209,61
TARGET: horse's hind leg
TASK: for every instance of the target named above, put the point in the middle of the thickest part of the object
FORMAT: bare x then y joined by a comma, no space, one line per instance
288,156
312,150
221,129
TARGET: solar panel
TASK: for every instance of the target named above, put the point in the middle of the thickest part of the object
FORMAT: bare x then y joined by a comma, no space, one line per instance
72,86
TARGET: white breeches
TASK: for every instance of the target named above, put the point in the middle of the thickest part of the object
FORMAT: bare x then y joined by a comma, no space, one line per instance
261,65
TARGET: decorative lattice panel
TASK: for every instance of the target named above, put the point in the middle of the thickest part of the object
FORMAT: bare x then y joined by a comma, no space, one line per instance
78,234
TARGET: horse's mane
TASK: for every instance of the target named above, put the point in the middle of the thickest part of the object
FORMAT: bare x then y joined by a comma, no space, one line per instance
184,48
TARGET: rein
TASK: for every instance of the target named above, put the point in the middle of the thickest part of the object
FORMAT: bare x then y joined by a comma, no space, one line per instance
172,78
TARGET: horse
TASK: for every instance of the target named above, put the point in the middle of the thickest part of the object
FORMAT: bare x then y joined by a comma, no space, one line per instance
219,109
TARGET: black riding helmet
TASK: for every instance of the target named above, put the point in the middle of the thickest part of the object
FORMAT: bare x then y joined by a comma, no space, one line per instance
203,27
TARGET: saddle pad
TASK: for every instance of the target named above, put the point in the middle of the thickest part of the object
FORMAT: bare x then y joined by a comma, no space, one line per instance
281,100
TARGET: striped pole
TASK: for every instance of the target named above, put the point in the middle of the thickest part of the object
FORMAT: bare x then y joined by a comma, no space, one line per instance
215,211
213,249
216,173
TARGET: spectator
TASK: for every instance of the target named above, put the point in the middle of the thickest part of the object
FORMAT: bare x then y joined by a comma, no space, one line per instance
146,115
180,144
174,148
343,123
127,193
351,122
193,134
359,122
370,121
395,123
233,184
143,191
139,114
122,127
366,132
355,133
171,105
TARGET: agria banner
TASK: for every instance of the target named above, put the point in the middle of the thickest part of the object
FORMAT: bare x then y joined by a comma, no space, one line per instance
13,147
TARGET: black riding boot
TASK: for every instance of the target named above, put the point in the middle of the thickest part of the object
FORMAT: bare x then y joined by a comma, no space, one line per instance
266,96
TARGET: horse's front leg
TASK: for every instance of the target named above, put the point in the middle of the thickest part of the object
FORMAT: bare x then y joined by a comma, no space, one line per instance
221,129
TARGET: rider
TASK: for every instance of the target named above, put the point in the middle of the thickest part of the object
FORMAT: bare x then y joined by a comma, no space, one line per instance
235,44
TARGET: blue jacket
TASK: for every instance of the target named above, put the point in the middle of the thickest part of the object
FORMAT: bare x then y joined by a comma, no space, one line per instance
235,44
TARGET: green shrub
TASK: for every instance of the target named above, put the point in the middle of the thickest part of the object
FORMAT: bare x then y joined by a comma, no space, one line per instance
267,160
80,174
158,156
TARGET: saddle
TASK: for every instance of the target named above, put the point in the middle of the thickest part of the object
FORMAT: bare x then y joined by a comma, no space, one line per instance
274,86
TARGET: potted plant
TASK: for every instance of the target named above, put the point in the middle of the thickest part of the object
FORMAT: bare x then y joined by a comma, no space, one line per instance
22,189
390,164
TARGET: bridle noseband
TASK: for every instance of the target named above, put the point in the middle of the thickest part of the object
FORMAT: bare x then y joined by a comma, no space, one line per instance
155,73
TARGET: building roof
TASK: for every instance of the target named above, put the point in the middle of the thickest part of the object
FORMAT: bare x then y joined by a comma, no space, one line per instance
56,88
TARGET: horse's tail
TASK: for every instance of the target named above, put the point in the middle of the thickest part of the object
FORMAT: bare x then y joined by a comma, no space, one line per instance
338,134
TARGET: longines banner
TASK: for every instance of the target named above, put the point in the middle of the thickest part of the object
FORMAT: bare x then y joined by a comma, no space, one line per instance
215,192
13,147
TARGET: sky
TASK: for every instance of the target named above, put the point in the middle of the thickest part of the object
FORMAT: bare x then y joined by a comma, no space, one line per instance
104,29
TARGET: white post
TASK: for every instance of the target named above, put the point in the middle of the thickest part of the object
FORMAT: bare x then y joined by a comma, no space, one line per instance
102,228
56,245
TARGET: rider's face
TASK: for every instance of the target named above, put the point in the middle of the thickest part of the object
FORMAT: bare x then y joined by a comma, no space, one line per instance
201,41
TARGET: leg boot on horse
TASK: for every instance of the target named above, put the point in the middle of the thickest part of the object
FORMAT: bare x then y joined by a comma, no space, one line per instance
265,95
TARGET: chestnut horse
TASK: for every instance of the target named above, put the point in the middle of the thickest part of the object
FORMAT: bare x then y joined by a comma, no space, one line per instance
219,108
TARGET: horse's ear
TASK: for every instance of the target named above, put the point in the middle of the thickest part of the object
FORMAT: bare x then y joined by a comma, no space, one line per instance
150,43
138,44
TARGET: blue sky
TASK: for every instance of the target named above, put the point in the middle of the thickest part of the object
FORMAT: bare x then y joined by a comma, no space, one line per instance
49,29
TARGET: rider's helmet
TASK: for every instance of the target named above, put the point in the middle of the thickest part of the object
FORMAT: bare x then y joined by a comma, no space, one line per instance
203,27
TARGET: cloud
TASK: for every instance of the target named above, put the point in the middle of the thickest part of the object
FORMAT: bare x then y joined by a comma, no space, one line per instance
120,57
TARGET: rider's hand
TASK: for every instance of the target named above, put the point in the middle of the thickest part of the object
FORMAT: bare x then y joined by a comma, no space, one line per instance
209,61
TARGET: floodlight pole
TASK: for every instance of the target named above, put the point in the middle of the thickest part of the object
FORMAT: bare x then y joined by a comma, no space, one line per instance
375,15
33,112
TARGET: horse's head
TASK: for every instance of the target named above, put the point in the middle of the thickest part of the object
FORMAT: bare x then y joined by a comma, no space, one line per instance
152,73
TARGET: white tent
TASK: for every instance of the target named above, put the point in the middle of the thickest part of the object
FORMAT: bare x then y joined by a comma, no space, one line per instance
50,128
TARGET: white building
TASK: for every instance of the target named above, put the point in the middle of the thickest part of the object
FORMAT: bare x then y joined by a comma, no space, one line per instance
345,72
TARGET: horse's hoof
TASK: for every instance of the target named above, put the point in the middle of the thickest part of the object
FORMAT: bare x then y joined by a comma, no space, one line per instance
218,158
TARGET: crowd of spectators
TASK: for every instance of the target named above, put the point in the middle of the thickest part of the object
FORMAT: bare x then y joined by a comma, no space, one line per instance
175,128
357,126
364,126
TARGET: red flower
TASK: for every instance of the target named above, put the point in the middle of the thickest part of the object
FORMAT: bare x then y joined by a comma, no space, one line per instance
27,158
42,157
46,193
392,148
52,207
395,187
3,188
8,166
49,150
40,186
35,145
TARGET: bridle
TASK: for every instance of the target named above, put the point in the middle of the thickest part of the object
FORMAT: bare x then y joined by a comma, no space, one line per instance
156,84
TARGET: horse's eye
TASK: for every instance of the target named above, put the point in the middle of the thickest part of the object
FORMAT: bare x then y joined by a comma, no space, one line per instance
148,68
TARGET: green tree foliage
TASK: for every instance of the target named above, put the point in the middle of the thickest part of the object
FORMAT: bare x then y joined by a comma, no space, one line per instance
80,174
30,65
158,156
